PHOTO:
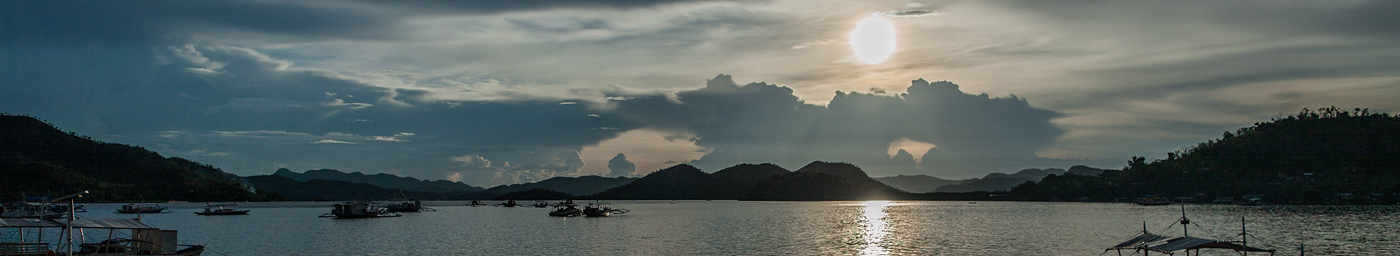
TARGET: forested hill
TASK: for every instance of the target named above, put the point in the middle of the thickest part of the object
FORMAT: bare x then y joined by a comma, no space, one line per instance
1325,156
37,159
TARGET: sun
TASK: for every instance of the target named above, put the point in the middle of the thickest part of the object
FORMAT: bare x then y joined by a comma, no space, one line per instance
873,40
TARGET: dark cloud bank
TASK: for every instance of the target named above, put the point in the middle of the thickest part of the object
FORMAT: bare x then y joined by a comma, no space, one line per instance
762,122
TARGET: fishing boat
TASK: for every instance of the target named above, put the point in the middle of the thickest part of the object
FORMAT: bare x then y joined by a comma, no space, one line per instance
143,208
1147,242
475,203
566,210
406,205
508,203
1151,201
601,210
222,209
358,210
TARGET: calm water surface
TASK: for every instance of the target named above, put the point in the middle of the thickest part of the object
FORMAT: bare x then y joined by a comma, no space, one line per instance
770,228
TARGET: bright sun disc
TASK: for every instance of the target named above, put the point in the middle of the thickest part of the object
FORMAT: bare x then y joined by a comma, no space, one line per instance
873,40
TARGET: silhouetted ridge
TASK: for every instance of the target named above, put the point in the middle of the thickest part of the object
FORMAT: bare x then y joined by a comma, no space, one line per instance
676,182
1325,156
39,159
577,186
383,180
822,181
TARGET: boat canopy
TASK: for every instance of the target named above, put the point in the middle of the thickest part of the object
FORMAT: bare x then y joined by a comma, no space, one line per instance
1154,242
78,223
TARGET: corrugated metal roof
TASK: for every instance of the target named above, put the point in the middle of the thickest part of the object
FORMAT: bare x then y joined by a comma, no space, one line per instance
111,223
27,223
78,223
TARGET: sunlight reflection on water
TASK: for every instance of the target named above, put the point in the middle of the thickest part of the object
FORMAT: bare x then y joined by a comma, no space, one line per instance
875,228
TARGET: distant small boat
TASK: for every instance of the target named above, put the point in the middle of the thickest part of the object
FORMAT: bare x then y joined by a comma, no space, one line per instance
143,208
222,209
358,210
474,203
508,203
1153,201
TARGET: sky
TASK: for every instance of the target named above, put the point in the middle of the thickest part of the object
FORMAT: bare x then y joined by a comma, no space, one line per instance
505,92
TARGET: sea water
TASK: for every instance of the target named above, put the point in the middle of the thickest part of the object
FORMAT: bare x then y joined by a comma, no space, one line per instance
771,228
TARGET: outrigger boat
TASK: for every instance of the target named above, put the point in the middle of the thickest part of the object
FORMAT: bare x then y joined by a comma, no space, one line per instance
475,203
406,205
601,210
1147,242
507,203
566,209
30,210
222,209
143,208
358,210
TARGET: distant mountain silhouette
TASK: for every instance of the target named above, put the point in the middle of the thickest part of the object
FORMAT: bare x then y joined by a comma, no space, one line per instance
535,194
37,159
577,186
917,183
686,182
679,182
822,181
331,190
1000,181
382,180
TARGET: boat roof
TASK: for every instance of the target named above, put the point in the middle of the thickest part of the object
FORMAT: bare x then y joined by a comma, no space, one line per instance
1153,242
78,223
1139,240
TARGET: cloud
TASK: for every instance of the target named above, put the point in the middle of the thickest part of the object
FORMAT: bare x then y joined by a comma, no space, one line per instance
620,167
910,13
332,142
473,161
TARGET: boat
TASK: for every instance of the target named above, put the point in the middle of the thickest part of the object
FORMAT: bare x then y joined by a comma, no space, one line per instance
566,210
540,205
358,210
30,210
475,203
601,210
1146,242
1151,201
508,203
143,208
406,205
222,209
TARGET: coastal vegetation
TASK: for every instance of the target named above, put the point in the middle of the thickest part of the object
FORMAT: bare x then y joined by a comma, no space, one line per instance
40,160
1320,156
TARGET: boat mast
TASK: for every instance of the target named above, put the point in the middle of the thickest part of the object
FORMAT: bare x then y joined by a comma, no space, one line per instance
1244,235
69,228
1184,221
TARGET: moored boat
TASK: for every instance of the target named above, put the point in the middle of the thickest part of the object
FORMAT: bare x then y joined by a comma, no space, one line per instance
358,210
143,208
1146,242
406,205
566,210
601,210
222,209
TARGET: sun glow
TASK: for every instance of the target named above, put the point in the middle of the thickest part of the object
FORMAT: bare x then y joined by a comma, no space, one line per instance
873,40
